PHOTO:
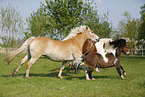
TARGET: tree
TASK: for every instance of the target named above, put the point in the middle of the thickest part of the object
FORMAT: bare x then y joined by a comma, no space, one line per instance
37,23
11,26
128,28
141,28
99,25
57,18
60,16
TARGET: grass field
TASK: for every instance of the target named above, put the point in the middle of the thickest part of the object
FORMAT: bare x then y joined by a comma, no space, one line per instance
107,83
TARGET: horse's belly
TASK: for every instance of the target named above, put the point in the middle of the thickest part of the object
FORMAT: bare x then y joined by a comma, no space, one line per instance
57,57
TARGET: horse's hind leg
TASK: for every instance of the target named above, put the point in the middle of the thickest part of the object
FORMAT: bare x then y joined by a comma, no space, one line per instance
61,68
30,63
21,63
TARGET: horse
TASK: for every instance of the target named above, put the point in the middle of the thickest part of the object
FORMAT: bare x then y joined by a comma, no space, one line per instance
92,46
101,46
55,50
113,58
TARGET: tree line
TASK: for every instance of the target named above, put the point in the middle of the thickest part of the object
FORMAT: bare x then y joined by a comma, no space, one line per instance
55,19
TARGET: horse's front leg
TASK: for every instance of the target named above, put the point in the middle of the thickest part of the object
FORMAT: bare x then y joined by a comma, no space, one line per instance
117,66
97,70
61,68
89,73
122,70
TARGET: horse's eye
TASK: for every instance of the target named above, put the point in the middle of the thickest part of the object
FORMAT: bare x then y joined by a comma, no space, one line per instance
92,32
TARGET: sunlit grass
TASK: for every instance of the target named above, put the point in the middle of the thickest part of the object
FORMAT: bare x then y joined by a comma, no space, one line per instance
107,83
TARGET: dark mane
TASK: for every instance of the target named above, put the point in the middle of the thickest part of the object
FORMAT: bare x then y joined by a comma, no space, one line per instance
118,43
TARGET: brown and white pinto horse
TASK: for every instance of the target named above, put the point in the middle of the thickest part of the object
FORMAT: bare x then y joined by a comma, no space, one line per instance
63,51
105,59
101,46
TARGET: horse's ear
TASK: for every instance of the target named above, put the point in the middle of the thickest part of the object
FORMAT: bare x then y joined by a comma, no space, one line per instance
87,28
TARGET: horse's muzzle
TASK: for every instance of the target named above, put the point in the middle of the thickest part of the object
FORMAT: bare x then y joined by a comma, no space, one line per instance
128,53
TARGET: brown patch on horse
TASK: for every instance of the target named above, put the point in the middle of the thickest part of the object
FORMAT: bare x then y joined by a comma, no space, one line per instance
88,46
93,59
104,46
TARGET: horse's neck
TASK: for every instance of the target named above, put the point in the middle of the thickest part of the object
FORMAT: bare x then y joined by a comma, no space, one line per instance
80,40
118,53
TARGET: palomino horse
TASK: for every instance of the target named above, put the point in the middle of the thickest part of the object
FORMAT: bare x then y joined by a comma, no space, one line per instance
63,51
113,59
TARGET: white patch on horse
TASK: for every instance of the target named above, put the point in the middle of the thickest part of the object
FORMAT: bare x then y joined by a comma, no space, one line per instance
87,76
99,47
111,50
100,50
104,57
107,49
107,45
115,61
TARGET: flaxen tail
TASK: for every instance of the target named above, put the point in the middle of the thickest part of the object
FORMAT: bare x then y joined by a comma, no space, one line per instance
24,46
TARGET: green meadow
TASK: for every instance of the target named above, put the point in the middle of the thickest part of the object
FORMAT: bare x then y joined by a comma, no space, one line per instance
43,81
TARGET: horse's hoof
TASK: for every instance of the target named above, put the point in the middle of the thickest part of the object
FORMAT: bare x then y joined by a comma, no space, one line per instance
124,73
60,76
93,78
122,77
14,73
26,77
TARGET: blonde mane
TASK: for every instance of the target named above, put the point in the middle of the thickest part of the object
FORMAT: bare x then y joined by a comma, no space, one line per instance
75,31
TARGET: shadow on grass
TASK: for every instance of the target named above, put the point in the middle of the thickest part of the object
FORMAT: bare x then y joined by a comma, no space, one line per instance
84,77
66,76
67,73
51,73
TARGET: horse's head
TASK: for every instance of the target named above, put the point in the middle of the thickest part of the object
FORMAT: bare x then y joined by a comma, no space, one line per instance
125,50
121,44
91,35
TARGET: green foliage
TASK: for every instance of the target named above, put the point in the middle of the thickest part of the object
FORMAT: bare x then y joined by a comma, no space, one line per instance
107,83
64,14
11,26
142,12
128,28
60,16
36,23
141,28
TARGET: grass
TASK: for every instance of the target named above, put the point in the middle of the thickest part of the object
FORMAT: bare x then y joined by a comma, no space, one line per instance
107,83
